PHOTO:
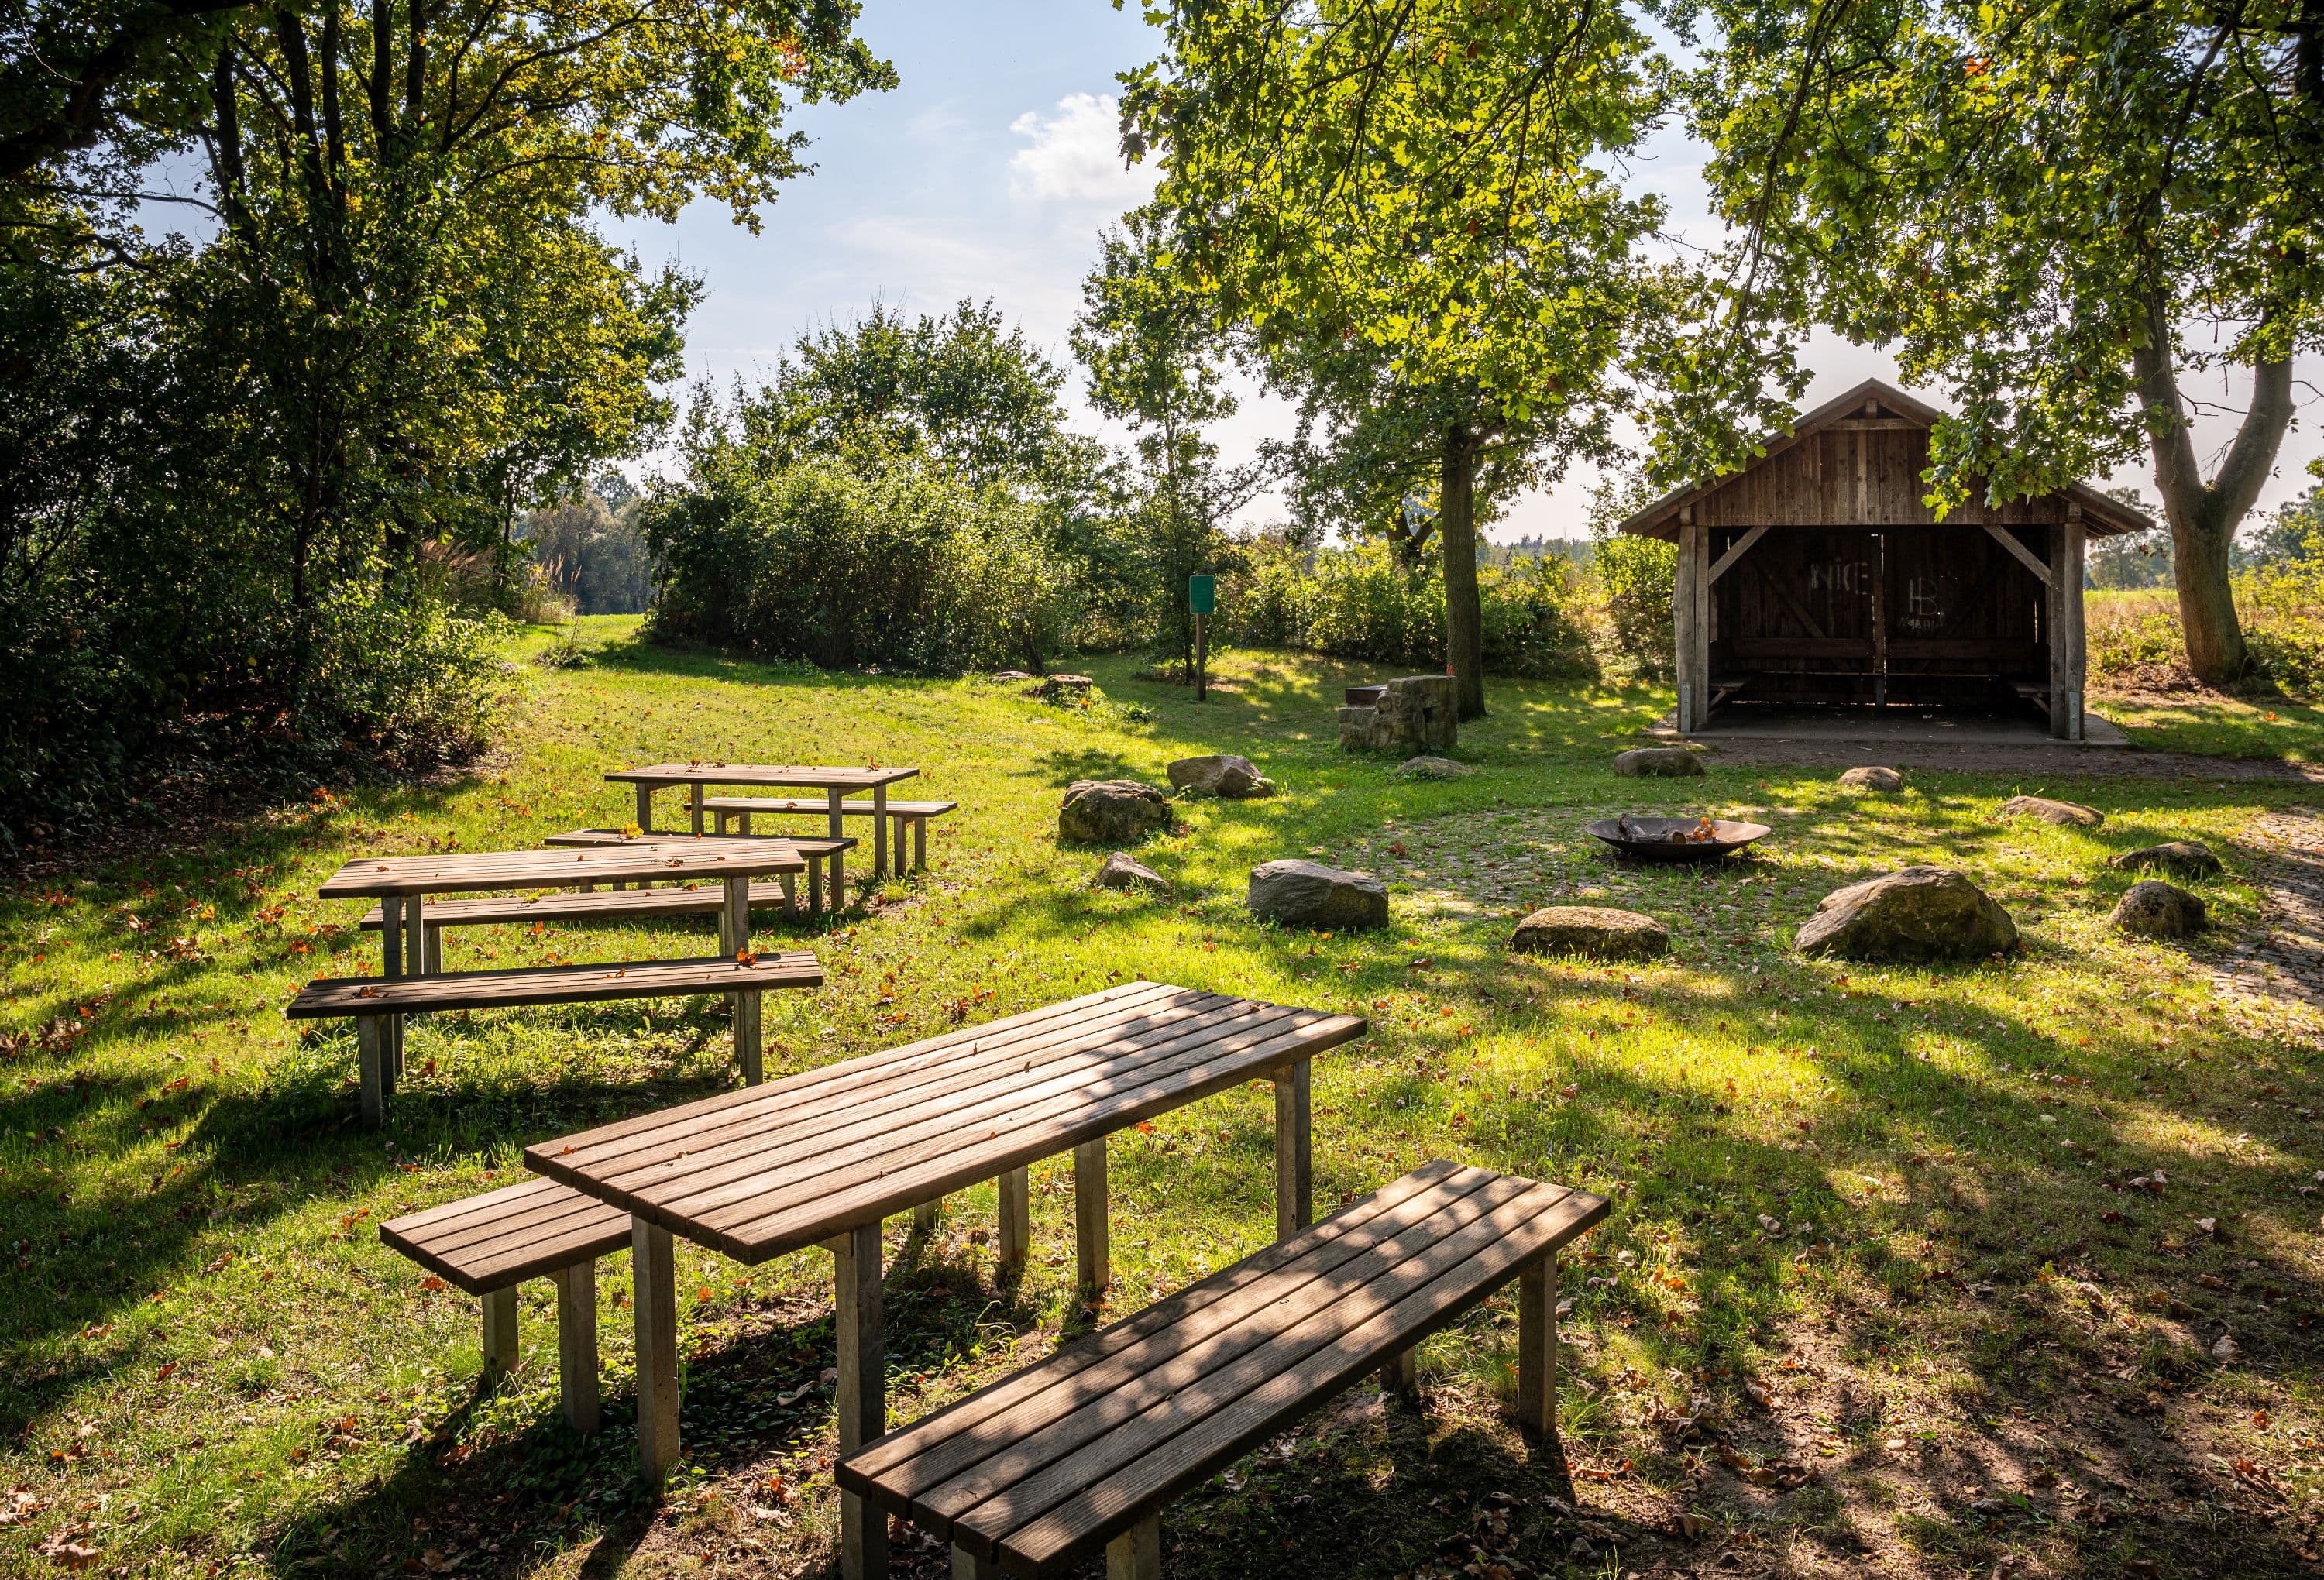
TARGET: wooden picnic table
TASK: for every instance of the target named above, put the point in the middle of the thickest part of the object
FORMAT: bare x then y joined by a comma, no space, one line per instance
400,884
822,1157
835,782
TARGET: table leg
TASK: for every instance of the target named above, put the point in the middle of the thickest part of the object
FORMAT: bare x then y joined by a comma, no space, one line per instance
790,898
834,798
1137,1553
500,1353
434,961
415,949
738,915
372,1035
1092,1269
880,830
1016,1192
577,1344
861,1394
645,809
920,843
749,1045
694,803
1537,1349
1295,1190
390,941
653,1301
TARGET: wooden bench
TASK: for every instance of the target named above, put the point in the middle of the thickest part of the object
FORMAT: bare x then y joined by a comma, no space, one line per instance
1082,1451
816,851
373,1000
488,1244
916,814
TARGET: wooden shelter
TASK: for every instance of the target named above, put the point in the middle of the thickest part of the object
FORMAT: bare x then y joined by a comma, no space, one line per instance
1816,576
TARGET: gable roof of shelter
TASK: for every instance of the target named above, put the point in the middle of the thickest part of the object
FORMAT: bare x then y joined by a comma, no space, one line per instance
2103,515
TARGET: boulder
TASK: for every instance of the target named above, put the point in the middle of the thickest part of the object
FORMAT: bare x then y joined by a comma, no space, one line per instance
1597,930
1658,762
1309,894
1110,812
1920,914
2152,908
1122,871
1886,780
2065,814
1416,712
2184,857
1221,773
1054,688
1430,767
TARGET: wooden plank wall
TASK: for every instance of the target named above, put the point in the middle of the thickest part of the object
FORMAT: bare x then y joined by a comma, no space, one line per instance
1864,473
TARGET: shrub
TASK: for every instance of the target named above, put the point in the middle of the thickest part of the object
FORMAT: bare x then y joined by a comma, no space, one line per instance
898,563
410,679
1635,577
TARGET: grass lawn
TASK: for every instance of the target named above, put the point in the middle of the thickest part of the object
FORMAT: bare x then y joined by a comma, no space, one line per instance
1880,1293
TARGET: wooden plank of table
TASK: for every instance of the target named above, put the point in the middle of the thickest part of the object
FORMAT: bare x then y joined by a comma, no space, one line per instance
1100,1490
939,1447
937,1167
374,876
990,1080
700,1180
1103,1405
928,1060
819,776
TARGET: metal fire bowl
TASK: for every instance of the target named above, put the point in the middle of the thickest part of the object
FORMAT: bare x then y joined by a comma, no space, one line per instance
1365,696
1648,839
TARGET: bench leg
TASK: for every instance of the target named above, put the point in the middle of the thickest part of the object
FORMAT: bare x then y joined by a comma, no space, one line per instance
576,1343
790,898
1399,1376
920,843
645,809
435,957
1294,1185
973,1565
1092,1263
694,805
838,882
392,957
653,1301
748,1047
371,1067
861,1394
499,1332
925,1216
814,886
1137,1553
1016,1192
1537,1349
879,833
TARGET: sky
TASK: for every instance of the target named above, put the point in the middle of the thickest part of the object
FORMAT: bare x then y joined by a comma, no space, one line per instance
990,174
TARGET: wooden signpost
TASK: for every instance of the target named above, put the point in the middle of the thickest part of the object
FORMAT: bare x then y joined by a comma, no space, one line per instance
1203,599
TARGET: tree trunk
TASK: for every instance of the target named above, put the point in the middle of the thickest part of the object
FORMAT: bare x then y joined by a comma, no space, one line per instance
1464,619
2203,518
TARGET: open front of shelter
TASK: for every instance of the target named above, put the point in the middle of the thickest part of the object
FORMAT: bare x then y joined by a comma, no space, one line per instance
1817,577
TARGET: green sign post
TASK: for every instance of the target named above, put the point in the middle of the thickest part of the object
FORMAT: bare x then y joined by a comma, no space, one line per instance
1203,599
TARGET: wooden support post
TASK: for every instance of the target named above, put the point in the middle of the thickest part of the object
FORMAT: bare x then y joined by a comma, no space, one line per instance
814,886
391,940
926,1217
738,915
1093,1260
694,803
968,1565
501,1351
880,830
371,1031
2069,606
1202,657
1537,1349
750,1048
645,809
2053,632
1682,626
834,800
861,1394
791,896
838,884
1399,1376
576,1343
1137,1553
1294,1185
1015,1240
920,843
653,1302
434,958
745,824
1701,626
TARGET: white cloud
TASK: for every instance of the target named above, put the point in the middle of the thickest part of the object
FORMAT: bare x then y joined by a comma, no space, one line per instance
1075,155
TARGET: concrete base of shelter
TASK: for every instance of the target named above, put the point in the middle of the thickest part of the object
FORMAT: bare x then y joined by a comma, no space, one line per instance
1899,725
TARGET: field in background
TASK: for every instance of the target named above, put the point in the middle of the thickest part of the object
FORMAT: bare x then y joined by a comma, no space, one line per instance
1911,1271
